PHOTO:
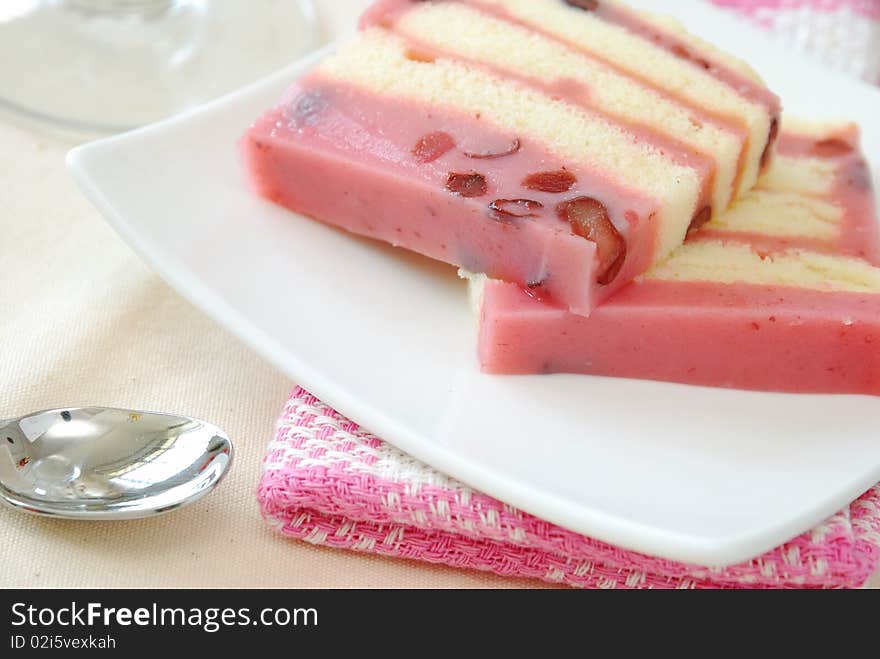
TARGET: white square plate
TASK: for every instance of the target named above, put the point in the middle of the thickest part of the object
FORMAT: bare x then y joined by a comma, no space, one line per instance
694,474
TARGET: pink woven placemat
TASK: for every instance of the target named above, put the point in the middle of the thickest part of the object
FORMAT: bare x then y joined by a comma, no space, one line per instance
844,34
328,482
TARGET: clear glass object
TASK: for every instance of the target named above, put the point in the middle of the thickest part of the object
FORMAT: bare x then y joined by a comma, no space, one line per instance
110,65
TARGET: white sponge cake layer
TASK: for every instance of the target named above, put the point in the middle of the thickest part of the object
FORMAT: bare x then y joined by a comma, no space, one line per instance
642,59
781,214
799,167
457,28
818,129
377,62
724,263
803,176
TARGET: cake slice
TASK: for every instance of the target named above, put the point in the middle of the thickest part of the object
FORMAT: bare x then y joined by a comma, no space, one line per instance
781,293
560,143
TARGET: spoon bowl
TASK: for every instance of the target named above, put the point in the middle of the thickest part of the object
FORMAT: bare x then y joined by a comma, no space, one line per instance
105,463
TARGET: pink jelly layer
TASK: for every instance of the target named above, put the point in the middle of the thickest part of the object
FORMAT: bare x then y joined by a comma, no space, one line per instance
345,156
740,336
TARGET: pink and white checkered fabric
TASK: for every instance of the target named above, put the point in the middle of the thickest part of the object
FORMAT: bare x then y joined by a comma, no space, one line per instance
844,34
328,482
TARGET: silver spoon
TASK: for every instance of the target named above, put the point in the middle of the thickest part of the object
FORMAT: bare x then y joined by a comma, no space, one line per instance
103,463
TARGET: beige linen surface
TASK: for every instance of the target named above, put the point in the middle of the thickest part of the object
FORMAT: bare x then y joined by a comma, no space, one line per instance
82,322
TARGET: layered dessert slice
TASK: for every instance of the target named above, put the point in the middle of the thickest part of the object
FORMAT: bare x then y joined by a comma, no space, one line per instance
564,143
781,293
